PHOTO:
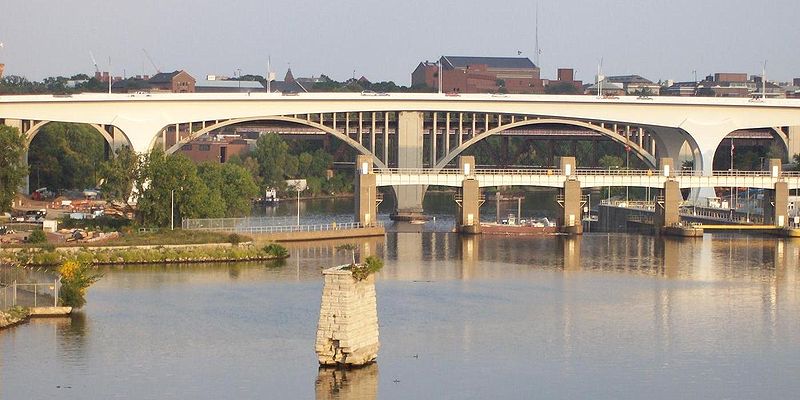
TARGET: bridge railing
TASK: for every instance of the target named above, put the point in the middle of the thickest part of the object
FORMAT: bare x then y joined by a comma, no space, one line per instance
579,172
287,228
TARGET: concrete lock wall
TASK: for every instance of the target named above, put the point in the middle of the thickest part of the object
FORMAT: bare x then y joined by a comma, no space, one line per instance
347,333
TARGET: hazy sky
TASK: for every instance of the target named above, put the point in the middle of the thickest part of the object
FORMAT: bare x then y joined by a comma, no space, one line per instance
385,40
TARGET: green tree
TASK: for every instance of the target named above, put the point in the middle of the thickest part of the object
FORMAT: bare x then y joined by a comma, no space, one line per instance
561,88
608,161
12,167
65,156
160,176
232,185
274,160
119,174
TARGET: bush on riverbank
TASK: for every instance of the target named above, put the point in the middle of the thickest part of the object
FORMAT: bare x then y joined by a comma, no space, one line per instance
276,250
134,255
76,277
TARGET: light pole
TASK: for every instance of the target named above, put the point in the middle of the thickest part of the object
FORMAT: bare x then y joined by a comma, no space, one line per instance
589,211
172,210
627,168
298,205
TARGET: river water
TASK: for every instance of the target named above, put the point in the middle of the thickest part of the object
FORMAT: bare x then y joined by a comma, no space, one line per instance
610,316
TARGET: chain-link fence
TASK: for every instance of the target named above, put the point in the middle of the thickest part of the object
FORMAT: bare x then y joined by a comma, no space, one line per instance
29,294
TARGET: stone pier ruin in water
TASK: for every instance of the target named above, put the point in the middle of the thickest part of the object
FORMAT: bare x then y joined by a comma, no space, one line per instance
347,334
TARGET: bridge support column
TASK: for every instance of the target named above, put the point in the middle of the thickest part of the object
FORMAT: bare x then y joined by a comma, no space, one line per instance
571,221
668,217
469,217
366,209
793,141
777,202
409,155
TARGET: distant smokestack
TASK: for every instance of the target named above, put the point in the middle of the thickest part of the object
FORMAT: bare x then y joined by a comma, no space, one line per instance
2,67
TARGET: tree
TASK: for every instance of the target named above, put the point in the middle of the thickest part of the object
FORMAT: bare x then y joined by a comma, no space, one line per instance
160,176
608,161
66,156
12,167
349,248
274,160
119,174
232,185
797,162
75,281
561,88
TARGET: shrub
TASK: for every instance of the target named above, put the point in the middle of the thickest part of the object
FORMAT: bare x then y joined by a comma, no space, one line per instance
75,280
234,239
37,236
371,265
276,250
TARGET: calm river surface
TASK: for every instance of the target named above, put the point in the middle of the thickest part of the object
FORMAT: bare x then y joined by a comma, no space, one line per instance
601,316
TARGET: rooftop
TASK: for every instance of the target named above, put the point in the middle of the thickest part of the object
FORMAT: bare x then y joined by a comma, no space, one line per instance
230,84
491,62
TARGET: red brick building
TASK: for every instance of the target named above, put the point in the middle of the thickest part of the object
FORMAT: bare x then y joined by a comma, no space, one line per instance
210,150
175,82
480,75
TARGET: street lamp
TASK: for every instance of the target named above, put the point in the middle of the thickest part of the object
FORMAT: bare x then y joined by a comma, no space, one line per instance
172,210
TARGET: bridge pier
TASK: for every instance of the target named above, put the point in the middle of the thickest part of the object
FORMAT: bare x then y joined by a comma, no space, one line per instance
668,217
409,155
571,221
469,217
366,196
776,207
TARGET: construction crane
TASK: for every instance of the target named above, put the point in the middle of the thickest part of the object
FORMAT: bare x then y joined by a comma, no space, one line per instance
158,71
96,68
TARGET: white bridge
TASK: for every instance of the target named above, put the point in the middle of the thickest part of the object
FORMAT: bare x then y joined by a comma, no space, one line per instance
588,178
426,130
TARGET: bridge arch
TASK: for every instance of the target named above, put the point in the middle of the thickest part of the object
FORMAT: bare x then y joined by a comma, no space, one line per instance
638,151
31,133
339,135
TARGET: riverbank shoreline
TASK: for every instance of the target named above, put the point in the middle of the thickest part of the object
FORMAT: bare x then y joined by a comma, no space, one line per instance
153,254
24,315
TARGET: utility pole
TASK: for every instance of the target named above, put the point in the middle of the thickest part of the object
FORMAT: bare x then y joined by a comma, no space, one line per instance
439,73
110,75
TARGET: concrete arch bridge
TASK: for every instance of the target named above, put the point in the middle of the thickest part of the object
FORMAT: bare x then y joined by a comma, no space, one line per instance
417,130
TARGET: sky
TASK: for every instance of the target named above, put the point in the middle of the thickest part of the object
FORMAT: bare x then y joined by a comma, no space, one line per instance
386,40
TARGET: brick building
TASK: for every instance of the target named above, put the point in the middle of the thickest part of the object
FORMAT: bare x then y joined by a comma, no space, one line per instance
214,149
480,75
175,82
170,82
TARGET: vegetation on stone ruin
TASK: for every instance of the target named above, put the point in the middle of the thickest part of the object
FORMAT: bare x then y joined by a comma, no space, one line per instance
370,266
360,271
349,248
12,168
76,277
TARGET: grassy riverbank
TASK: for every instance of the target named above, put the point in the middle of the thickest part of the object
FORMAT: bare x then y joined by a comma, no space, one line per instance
139,255
157,238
